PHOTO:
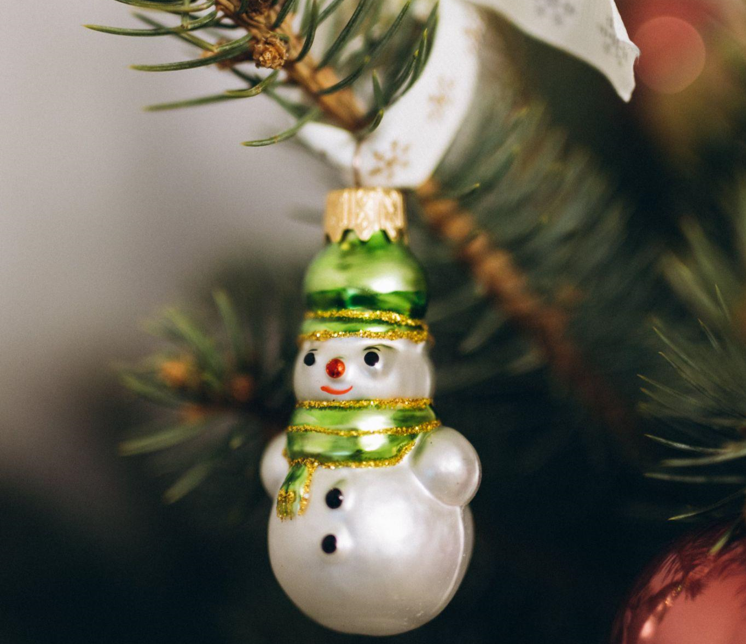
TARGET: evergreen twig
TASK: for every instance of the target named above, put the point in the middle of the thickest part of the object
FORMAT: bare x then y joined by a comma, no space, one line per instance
224,390
496,273
542,233
342,108
705,410
272,39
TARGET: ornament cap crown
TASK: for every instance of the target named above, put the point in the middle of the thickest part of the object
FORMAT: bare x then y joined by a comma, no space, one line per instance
365,211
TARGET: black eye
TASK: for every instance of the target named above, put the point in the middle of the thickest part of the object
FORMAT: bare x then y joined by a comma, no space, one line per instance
329,544
334,498
309,360
371,358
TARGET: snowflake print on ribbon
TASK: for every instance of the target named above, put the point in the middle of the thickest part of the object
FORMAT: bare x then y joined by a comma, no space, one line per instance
474,35
558,10
387,163
612,46
441,98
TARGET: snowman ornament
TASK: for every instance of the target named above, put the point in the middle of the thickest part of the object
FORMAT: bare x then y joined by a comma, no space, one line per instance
370,532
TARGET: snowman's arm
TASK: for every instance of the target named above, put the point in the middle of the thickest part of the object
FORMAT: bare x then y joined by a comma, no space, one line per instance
274,466
448,466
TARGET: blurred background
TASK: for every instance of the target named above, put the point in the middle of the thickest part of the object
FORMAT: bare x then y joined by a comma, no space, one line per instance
108,213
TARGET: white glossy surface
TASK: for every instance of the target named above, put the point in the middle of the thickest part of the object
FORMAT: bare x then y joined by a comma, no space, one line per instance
274,466
448,466
403,370
404,534
401,553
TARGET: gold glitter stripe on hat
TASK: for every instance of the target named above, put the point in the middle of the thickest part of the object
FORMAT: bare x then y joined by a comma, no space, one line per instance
376,403
422,428
394,334
371,316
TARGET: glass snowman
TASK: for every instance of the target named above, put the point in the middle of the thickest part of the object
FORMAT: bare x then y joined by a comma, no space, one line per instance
370,532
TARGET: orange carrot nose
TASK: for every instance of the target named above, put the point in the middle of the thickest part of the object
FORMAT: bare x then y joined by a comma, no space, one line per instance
335,368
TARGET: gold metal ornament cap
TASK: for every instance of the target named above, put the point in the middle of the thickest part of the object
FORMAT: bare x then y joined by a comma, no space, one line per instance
365,211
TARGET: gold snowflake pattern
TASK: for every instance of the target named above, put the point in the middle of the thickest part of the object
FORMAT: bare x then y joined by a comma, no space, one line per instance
441,99
386,164
474,36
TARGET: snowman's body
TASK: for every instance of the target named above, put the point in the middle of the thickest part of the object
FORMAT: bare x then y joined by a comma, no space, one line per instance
377,550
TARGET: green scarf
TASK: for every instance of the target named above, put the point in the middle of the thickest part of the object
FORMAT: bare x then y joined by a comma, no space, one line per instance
359,433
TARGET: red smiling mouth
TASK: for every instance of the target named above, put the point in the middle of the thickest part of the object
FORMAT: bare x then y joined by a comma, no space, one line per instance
336,392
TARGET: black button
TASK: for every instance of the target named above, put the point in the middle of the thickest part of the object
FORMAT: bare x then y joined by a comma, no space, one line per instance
334,498
309,360
329,544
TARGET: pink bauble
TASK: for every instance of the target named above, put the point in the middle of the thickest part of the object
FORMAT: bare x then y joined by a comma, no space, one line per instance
689,596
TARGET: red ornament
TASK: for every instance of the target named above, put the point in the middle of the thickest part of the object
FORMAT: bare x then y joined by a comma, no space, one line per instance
689,596
335,368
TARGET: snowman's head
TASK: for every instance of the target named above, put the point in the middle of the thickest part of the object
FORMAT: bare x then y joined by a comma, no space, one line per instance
362,369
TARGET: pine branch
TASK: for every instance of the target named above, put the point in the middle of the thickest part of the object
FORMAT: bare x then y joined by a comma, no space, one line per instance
544,324
704,410
709,277
340,107
554,278
704,413
371,45
223,391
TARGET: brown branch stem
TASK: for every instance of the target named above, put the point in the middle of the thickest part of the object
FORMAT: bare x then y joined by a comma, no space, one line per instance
340,107
544,324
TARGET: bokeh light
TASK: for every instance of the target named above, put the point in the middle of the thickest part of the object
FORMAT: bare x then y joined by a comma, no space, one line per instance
673,54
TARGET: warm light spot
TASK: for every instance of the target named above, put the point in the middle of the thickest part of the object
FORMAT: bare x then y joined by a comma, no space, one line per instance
372,422
372,442
672,54
648,629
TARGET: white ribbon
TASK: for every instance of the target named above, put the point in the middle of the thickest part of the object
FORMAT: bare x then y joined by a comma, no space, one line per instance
419,128
592,30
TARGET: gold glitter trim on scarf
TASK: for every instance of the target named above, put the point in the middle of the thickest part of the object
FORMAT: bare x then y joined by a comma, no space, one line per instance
305,496
380,462
322,336
355,433
312,464
284,499
371,316
375,403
